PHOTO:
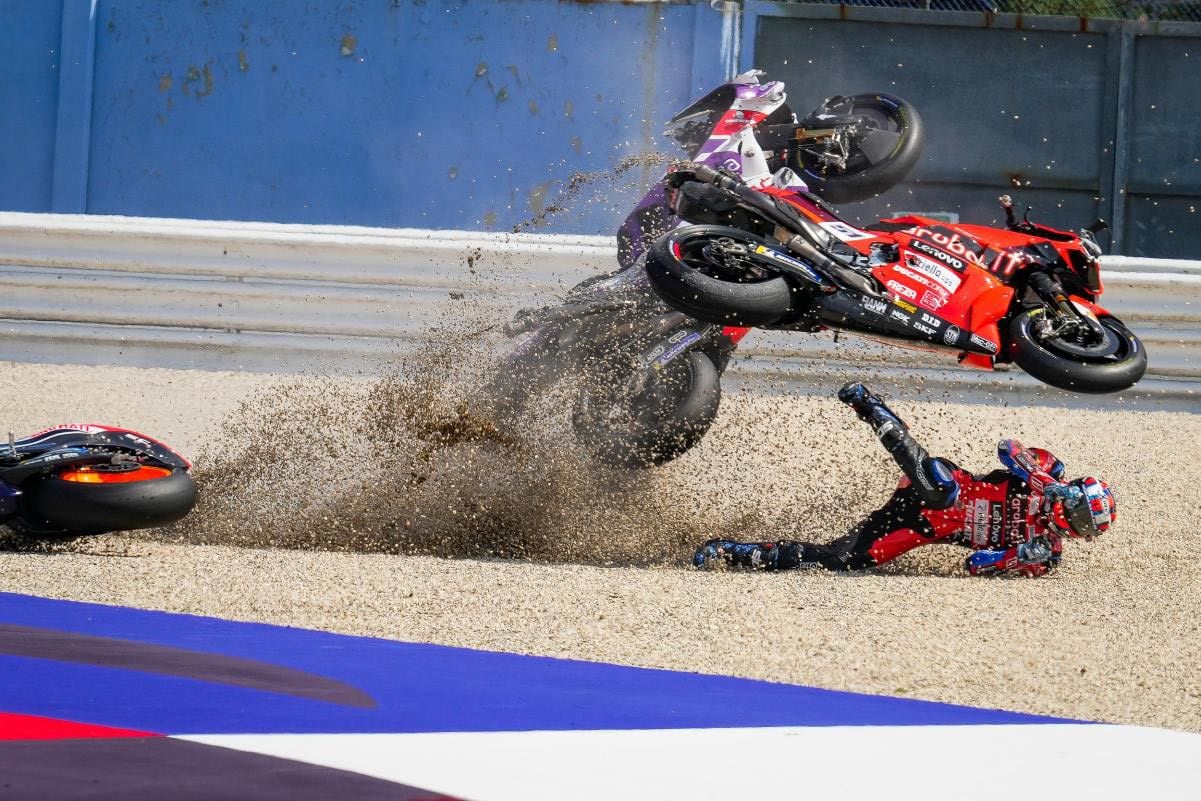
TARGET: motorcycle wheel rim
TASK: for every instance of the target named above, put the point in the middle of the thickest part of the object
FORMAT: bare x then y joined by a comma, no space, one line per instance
88,475
692,253
1111,349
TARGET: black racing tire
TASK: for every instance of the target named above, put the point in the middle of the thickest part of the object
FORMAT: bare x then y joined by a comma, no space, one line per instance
55,505
653,425
691,284
1115,364
898,129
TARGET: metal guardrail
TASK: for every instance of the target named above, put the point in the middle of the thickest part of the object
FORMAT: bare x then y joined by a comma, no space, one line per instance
1166,10
263,296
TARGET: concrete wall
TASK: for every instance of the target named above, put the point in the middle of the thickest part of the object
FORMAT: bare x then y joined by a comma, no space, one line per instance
431,113
29,78
466,114
1077,118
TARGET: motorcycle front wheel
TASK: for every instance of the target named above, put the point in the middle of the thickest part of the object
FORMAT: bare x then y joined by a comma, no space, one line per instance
712,273
646,417
81,501
1115,363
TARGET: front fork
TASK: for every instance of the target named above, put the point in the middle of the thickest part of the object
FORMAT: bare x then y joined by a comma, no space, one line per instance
1051,293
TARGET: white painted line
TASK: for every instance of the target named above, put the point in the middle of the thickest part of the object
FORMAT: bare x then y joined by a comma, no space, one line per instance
926,763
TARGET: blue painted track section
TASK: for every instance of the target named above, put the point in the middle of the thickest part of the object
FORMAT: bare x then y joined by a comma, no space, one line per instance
416,687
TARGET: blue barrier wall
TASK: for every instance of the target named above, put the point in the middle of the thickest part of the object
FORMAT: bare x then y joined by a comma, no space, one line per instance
424,113
29,76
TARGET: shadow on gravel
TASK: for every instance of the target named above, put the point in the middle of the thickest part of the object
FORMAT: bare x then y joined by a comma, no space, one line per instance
86,545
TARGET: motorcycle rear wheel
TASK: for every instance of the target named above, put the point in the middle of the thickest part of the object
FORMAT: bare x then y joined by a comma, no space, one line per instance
879,161
56,505
1115,364
639,420
688,279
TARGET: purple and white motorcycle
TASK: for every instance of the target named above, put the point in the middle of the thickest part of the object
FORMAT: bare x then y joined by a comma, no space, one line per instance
648,376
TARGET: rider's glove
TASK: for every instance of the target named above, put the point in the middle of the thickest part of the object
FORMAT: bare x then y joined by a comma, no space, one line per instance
1033,558
852,394
891,430
866,405
1035,552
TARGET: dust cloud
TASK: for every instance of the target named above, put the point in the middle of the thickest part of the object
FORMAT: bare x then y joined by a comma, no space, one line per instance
415,462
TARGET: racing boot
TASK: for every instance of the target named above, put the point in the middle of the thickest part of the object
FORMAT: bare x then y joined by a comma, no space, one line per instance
931,477
891,429
721,553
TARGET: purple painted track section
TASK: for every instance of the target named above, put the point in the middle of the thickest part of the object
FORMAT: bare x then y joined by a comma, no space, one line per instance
156,768
411,687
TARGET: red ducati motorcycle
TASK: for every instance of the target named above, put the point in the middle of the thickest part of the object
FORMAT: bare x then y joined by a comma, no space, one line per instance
1026,294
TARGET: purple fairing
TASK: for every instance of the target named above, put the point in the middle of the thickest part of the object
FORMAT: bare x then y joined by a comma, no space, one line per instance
636,222
654,203
748,91
632,228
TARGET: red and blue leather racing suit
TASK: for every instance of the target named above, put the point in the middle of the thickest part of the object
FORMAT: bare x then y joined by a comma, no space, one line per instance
997,515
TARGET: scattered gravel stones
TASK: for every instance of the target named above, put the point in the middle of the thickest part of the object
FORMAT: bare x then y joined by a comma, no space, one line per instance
308,491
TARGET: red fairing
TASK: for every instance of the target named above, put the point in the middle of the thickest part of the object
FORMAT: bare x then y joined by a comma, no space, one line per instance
14,726
734,333
97,428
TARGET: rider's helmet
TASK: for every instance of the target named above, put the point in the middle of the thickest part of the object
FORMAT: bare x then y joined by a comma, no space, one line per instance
1085,507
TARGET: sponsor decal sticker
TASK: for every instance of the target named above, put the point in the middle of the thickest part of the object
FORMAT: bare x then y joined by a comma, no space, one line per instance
951,335
929,320
933,300
980,523
925,329
875,306
949,240
845,232
987,344
682,340
776,255
995,519
901,289
919,278
946,258
897,314
1008,261
86,428
909,307
943,275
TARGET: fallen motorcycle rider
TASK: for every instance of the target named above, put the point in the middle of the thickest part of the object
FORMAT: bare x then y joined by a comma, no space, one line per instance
1014,520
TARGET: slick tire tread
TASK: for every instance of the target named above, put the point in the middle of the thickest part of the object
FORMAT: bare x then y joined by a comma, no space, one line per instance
878,178
72,508
1075,376
710,299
